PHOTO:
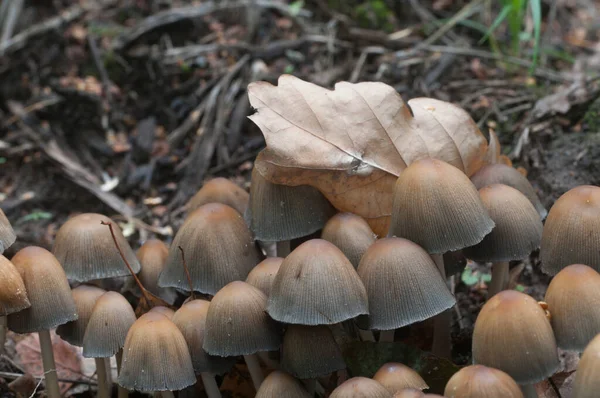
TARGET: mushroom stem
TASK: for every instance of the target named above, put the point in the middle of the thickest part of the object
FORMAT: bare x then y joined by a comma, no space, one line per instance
50,376
122,391
387,336
266,359
167,394
2,333
499,278
103,390
366,335
283,248
529,391
311,386
210,385
255,370
442,343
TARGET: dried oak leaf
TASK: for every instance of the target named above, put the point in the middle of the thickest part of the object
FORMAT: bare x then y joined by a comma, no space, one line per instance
353,142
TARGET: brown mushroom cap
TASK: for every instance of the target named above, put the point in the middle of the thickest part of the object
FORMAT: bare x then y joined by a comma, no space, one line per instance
107,328
437,207
281,212
263,275
317,285
309,352
573,299
47,289
218,249
280,384
191,321
478,381
396,377
409,393
153,257
513,334
155,356
13,296
351,234
220,190
237,323
360,387
503,174
572,231
86,250
587,378
166,311
403,284
518,229
85,297
7,234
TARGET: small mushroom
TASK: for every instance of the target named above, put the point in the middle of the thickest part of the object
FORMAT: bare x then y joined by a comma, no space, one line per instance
13,296
7,234
360,387
166,311
409,393
85,297
573,299
351,234
263,275
279,384
396,377
587,378
220,190
153,257
478,381
86,250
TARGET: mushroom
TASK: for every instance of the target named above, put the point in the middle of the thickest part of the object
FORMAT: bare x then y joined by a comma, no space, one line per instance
478,381
51,304
279,213
317,285
309,352
220,190
7,234
237,324
351,234
191,321
587,378
403,284
572,231
263,275
436,206
156,357
218,247
152,256
166,311
513,334
86,250
13,296
360,387
573,299
110,320
517,233
396,377
503,174
409,393
85,297
280,384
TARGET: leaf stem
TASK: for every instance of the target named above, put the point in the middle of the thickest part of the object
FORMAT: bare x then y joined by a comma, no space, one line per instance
187,273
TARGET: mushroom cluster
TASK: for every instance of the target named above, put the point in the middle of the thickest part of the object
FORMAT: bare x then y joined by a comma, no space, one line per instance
279,281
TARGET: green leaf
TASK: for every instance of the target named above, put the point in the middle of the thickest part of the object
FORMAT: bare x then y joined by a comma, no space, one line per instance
499,19
468,277
296,7
536,14
364,358
520,288
36,216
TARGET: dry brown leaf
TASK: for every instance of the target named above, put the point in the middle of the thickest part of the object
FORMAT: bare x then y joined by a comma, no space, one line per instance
353,142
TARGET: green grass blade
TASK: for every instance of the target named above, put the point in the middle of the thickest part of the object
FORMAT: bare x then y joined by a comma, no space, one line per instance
506,10
536,14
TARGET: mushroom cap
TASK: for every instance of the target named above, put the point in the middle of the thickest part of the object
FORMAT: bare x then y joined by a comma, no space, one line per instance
107,328
572,231
587,378
403,284
263,275
503,174
360,387
150,341
191,321
396,377
518,229
309,352
573,299
409,393
237,323
280,212
513,334
7,234
85,297
317,285
166,311
220,190
86,250
351,234
436,206
13,296
218,249
48,291
280,384
153,256
478,381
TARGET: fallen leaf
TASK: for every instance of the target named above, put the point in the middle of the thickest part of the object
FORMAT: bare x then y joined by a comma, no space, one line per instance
353,142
